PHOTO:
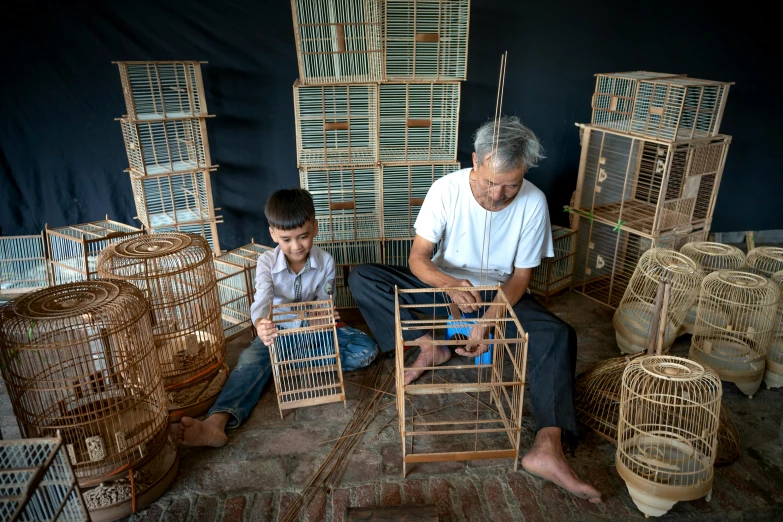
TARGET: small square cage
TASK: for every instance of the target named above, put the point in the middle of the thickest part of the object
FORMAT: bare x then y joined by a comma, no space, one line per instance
336,124
418,122
73,249
347,201
338,41
426,39
166,146
404,190
554,274
158,90
347,255
173,199
23,265
305,355
235,285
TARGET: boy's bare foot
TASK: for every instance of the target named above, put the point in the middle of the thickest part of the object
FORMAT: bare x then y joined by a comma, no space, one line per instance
210,432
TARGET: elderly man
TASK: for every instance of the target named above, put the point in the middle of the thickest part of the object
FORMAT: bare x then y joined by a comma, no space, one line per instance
454,215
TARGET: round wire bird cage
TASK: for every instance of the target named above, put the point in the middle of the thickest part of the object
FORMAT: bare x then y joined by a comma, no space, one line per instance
765,260
710,257
633,318
176,273
79,358
773,376
667,431
734,326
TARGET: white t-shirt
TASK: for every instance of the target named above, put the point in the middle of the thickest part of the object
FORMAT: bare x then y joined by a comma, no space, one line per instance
517,236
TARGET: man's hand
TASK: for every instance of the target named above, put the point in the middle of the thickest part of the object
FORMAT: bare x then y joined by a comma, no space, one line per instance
475,348
267,331
466,301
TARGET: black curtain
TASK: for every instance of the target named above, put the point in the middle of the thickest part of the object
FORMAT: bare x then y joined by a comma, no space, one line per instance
62,158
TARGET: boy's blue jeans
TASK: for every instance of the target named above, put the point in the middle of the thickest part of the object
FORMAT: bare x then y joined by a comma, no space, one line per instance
247,380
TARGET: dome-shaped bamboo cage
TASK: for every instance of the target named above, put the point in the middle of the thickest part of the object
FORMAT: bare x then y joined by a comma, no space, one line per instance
632,319
734,326
773,375
765,261
711,257
176,273
80,358
667,431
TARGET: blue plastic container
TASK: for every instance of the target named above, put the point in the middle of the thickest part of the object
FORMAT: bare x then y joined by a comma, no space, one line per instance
463,328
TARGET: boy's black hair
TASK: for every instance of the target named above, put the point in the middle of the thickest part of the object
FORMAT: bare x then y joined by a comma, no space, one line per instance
288,209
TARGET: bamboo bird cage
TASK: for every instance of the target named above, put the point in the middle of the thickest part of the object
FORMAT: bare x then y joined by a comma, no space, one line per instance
166,146
477,411
80,359
177,275
633,318
555,274
205,229
246,255
615,95
667,431
734,326
175,199
773,377
765,261
23,264
710,257
163,89
305,355
236,286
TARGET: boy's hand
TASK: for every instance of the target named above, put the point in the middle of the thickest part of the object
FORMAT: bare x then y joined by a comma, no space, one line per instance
336,316
267,331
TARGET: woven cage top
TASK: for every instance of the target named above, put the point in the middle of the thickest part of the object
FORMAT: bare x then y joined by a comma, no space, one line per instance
154,256
714,256
766,260
682,271
661,374
742,289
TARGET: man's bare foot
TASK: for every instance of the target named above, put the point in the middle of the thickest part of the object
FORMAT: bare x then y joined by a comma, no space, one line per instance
428,356
546,460
210,432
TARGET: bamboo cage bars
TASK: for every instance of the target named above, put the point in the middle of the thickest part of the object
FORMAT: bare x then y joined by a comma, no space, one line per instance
667,431
80,358
347,255
177,275
166,146
734,326
235,285
23,264
614,97
773,376
173,199
426,39
490,427
159,90
205,229
338,41
246,255
556,273
305,355
765,261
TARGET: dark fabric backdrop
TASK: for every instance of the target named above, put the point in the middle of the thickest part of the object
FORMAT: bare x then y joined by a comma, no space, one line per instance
62,156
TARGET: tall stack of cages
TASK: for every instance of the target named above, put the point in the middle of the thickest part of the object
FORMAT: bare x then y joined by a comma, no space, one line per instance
165,135
377,112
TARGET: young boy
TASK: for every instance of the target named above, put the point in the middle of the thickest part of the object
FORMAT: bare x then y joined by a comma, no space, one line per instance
295,271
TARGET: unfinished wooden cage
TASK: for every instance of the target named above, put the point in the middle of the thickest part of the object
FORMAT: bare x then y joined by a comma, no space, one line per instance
773,376
418,122
462,410
347,255
305,355
80,359
166,146
735,321
73,249
347,201
554,274
336,124
667,431
633,319
206,229
650,187
163,89
173,199
765,260
23,264
426,39
710,257
404,190
38,482
614,97
338,41
177,275
236,286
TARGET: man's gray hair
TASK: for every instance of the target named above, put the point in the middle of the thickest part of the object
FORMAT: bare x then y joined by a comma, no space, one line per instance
517,146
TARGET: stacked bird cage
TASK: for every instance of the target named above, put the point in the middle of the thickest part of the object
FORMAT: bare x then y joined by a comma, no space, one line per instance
177,275
165,135
773,377
554,274
377,112
80,359
23,265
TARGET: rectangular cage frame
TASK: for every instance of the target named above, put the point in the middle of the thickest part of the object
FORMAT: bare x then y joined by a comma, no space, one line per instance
236,285
23,264
73,249
336,124
554,274
607,255
37,482
162,89
173,199
347,255
347,201
650,186
426,39
418,122
338,41
206,229
166,146
303,378
503,381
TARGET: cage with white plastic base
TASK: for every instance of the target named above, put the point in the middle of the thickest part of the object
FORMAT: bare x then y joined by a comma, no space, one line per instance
23,265
162,89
